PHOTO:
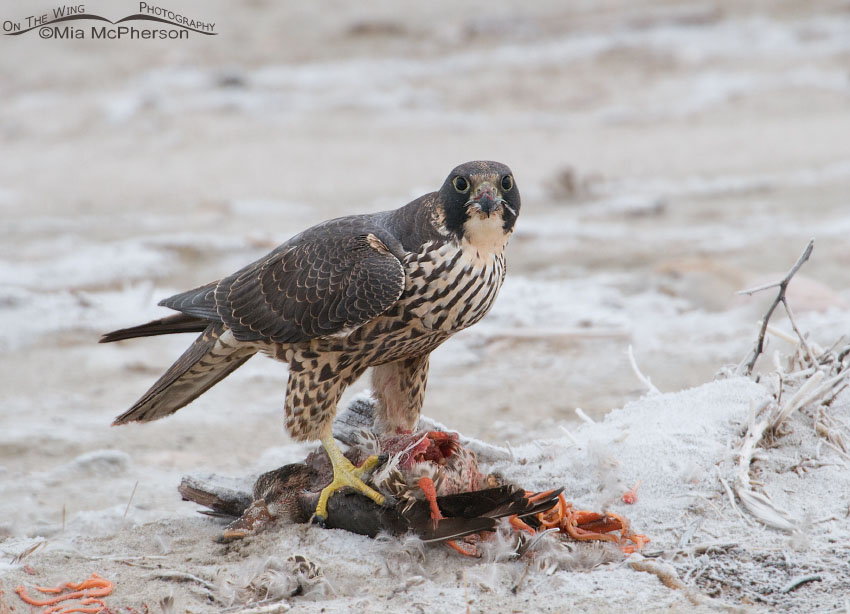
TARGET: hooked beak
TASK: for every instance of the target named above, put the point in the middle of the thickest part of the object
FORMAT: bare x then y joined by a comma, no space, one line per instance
485,198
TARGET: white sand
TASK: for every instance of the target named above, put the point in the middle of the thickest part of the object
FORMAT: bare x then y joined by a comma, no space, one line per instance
678,445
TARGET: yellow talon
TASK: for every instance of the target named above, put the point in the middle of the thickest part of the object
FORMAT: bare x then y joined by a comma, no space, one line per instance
345,474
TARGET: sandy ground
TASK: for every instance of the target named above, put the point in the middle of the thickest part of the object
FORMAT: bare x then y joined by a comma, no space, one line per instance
667,156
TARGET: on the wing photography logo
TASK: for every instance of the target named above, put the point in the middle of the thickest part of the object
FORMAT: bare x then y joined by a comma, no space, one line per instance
151,22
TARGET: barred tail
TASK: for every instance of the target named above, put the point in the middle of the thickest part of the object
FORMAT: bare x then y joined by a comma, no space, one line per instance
212,357
179,323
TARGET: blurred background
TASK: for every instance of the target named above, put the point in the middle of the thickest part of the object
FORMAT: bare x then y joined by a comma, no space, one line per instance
668,155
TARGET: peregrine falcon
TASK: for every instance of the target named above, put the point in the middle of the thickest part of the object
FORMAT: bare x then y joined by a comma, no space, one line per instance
381,290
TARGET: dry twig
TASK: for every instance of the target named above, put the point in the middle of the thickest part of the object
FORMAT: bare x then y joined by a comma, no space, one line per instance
666,573
130,500
823,376
758,504
780,298
798,582
650,387
180,576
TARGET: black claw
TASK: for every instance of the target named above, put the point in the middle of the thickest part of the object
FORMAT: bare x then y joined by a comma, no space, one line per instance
382,459
319,520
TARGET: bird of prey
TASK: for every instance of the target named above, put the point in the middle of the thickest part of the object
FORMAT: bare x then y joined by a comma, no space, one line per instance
380,290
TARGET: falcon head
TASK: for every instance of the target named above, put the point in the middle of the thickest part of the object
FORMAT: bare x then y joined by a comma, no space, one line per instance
480,203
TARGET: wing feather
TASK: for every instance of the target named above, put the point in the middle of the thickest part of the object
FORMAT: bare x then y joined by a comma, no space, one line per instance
317,286
335,276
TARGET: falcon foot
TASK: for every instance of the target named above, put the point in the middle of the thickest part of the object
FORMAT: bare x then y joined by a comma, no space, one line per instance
346,474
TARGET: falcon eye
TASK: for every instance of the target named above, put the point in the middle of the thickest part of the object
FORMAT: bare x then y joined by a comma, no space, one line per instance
507,183
460,184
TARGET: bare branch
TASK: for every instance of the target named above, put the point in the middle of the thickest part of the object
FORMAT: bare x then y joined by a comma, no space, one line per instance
784,281
751,291
780,298
800,336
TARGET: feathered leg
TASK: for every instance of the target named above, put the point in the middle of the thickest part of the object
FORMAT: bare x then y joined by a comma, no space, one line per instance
399,388
316,382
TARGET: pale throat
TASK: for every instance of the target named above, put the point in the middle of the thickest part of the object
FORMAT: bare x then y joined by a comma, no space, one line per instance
486,235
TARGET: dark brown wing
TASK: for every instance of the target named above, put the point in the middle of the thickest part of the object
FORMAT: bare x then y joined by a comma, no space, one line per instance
199,302
311,289
335,276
